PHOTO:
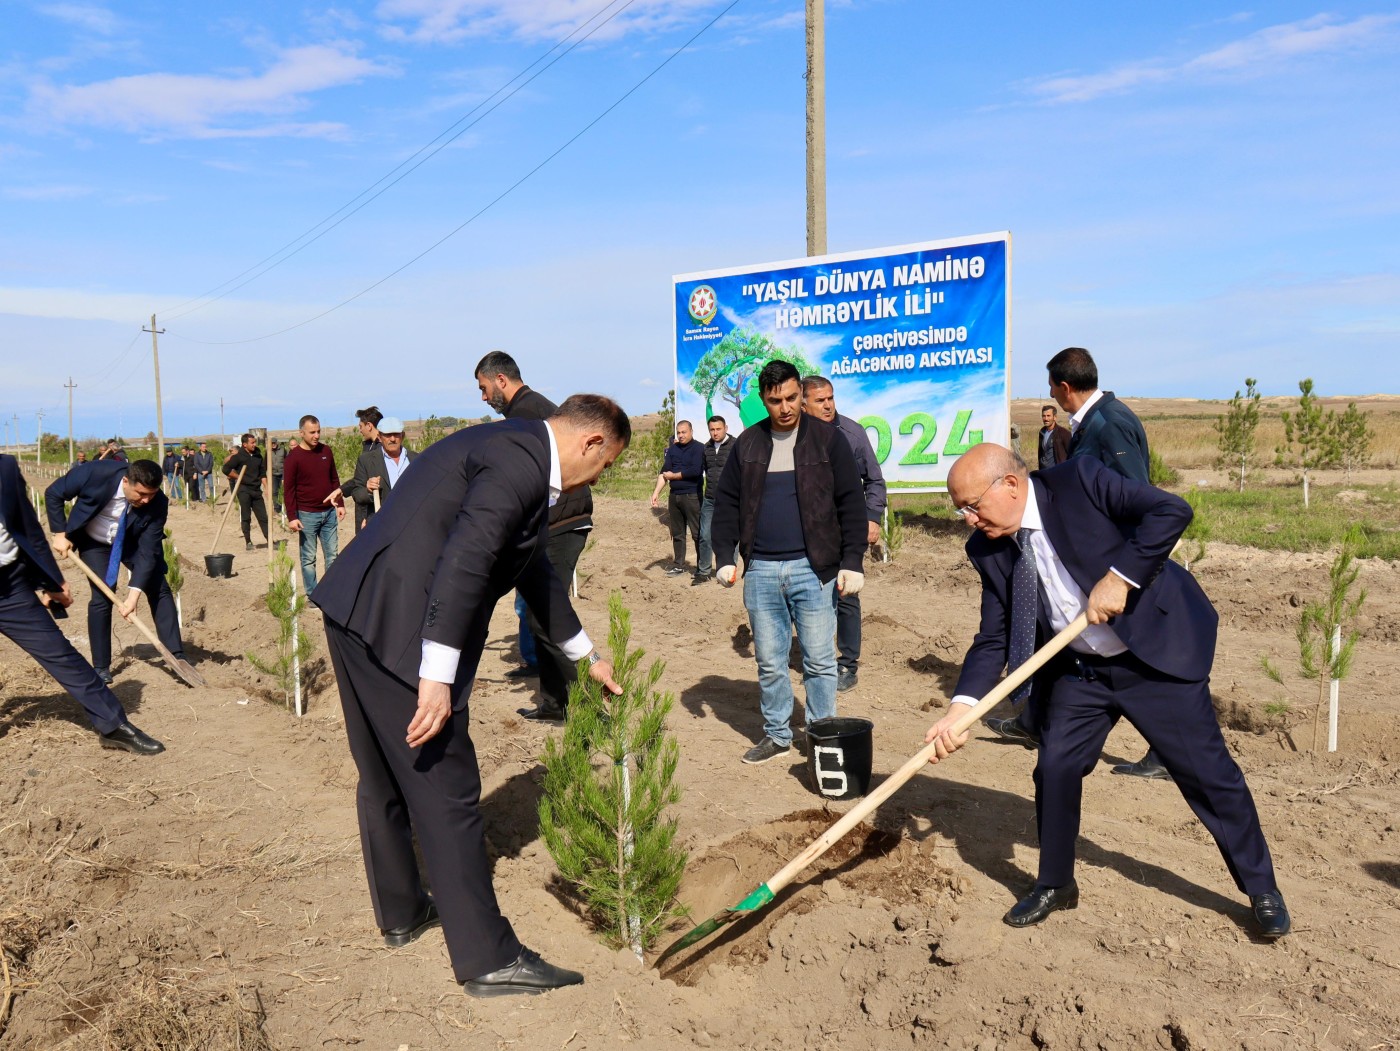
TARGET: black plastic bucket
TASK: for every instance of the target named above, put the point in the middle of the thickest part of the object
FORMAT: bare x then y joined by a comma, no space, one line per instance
840,752
218,565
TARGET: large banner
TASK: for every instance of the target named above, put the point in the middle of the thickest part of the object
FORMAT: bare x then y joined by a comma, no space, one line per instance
915,341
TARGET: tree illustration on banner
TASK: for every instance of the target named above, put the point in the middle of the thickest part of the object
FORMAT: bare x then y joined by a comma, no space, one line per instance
729,369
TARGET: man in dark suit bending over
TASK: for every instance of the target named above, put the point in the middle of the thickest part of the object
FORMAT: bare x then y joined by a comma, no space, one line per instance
407,611
26,564
118,518
1081,538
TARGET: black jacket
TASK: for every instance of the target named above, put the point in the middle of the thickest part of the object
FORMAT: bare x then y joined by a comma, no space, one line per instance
252,478
573,510
829,497
466,525
91,486
1112,434
35,559
716,456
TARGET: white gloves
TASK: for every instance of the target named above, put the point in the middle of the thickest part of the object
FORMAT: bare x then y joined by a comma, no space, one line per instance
726,575
849,582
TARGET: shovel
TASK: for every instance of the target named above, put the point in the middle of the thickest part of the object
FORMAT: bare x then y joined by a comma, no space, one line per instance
181,668
762,895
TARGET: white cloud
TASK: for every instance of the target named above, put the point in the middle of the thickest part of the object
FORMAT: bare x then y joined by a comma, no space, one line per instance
449,21
209,106
1265,51
92,17
57,192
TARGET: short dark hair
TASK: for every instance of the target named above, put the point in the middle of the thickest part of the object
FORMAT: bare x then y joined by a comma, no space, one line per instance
1075,366
498,362
371,415
597,410
308,418
687,423
244,440
145,473
1052,408
775,374
814,382
717,419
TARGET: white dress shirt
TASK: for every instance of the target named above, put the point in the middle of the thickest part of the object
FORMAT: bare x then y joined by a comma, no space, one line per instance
9,550
439,662
103,527
1060,597
1078,417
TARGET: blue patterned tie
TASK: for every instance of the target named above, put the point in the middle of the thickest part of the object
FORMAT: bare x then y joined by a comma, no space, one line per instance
1024,595
115,562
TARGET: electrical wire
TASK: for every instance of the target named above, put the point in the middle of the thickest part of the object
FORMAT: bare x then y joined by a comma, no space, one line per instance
481,211
397,174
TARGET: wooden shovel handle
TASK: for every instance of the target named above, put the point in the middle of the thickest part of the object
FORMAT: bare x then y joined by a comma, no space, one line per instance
916,762
101,585
232,499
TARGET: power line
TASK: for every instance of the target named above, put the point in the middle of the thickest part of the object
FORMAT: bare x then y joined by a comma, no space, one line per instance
481,211
404,169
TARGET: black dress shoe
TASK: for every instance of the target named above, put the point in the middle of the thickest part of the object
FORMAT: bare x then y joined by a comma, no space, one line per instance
525,671
1149,766
846,679
1271,914
526,974
104,675
127,738
545,713
1041,902
1012,730
398,937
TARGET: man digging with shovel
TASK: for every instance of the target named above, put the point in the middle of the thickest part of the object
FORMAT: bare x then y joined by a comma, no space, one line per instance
1079,538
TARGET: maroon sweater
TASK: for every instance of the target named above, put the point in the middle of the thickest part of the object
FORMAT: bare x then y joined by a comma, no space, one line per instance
308,477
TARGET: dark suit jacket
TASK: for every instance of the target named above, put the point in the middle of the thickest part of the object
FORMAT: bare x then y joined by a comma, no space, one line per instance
371,465
1059,442
1096,519
1112,434
574,510
466,525
40,568
90,486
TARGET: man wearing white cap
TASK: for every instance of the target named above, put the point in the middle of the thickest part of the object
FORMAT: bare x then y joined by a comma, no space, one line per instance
379,469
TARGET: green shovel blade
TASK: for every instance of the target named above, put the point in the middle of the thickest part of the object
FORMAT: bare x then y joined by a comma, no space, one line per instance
757,898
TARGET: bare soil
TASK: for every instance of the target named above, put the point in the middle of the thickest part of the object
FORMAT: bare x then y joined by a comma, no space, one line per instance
213,897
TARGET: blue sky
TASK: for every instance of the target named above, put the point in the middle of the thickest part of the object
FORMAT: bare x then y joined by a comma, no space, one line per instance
1196,192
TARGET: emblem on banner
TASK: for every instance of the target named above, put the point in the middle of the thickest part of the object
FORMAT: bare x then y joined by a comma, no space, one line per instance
704,305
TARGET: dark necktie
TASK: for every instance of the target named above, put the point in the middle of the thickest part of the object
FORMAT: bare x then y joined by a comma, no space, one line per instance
115,562
1024,596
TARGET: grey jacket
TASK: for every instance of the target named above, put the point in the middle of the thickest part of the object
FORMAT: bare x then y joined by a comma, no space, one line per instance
871,477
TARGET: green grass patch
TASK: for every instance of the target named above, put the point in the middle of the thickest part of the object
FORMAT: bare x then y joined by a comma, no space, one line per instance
1273,518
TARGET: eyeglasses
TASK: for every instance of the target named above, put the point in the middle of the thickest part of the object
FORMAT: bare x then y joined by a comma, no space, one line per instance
971,509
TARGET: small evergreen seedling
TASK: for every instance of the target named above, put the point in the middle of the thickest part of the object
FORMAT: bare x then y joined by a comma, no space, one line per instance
1309,437
292,644
1325,645
174,576
1237,431
607,787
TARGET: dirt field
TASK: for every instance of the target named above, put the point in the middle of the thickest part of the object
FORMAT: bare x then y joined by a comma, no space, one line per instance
214,897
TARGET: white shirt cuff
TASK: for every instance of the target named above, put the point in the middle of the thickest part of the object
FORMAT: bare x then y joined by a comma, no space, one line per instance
439,663
1130,580
963,698
578,647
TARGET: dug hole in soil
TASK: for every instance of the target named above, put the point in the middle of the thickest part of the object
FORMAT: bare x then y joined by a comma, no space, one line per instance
214,896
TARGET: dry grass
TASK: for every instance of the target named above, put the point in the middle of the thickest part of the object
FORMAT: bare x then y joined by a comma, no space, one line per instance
279,858
165,1014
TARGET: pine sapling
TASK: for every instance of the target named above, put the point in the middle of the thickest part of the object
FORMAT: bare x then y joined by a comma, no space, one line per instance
607,787
292,646
892,534
174,576
1237,431
1325,643
1309,437
1353,437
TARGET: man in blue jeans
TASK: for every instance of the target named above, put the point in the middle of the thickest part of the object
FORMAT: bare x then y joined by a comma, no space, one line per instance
791,502
311,495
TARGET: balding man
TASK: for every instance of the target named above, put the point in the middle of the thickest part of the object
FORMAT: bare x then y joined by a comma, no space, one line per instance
1081,538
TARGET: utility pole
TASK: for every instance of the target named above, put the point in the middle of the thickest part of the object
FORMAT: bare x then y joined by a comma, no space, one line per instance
160,416
39,434
816,127
71,387
16,419
223,434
